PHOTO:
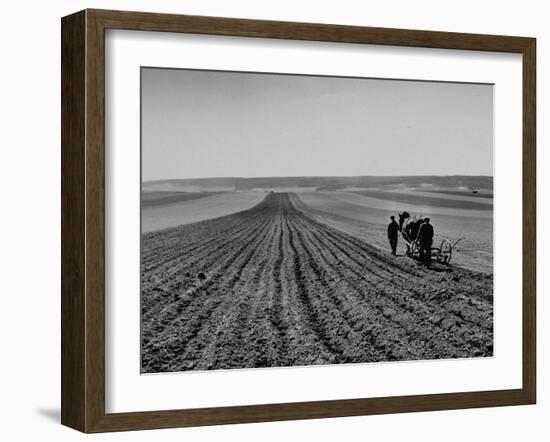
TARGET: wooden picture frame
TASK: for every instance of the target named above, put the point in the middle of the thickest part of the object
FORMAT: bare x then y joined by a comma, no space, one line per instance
83,218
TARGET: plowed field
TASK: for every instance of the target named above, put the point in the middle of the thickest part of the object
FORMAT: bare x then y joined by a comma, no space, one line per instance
270,286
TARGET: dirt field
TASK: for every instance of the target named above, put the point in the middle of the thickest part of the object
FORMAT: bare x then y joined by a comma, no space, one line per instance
384,202
420,199
481,194
149,199
192,210
271,286
367,219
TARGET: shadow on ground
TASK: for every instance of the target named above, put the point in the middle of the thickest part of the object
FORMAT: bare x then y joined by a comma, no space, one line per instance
51,414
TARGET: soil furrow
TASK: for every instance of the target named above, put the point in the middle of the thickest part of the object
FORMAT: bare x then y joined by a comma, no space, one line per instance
204,293
160,293
429,299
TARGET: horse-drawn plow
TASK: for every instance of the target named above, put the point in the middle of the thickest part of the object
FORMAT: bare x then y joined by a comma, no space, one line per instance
441,254
409,230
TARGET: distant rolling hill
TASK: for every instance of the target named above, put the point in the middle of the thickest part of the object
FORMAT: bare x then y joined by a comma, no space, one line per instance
464,182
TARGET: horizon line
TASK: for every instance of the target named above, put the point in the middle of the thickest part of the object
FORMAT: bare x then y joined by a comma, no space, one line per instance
319,176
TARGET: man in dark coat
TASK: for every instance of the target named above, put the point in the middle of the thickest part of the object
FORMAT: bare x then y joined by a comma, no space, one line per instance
425,240
393,229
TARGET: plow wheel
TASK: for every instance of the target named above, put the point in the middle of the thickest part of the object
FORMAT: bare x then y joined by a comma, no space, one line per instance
445,252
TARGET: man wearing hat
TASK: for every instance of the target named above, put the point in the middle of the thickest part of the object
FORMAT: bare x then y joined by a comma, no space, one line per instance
425,239
393,229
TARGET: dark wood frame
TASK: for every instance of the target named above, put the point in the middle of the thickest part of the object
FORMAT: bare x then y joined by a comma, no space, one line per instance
83,216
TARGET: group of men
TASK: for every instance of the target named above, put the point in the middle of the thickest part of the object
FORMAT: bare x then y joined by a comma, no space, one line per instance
424,238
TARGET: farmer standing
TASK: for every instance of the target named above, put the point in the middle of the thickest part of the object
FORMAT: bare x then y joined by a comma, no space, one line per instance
393,229
425,239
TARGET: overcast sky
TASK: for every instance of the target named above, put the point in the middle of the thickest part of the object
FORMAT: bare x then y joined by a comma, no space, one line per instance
198,124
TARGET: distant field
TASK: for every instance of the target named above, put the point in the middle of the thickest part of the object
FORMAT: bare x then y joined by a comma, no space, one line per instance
159,198
192,210
446,196
480,194
458,182
423,200
380,202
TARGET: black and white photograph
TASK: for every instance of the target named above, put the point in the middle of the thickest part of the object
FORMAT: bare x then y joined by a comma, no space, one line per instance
304,220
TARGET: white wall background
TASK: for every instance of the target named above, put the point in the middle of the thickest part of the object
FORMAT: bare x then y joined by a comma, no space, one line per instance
30,216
